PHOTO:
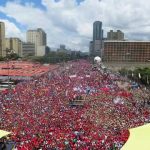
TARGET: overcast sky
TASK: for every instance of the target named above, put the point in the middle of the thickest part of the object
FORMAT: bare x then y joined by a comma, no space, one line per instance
70,21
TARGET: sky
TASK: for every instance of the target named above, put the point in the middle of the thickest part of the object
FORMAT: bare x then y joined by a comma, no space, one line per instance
70,22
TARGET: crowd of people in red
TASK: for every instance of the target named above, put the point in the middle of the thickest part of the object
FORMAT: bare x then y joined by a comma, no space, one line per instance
40,114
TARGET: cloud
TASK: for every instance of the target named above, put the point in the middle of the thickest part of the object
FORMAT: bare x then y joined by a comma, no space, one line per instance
70,23
12,30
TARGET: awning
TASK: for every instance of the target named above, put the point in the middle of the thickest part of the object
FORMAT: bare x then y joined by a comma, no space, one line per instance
139,139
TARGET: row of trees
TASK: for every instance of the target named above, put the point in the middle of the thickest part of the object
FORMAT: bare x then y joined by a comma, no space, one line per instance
12,56
141,75
57,57
51,57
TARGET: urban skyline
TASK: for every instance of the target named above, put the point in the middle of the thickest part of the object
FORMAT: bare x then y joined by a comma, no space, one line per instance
115,48
35,43
73,20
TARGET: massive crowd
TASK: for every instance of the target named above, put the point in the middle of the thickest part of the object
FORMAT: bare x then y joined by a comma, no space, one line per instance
41,115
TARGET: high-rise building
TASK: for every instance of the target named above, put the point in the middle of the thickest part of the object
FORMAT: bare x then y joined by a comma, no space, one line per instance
2,39
38,37
96,45
97,31
14,44
119,35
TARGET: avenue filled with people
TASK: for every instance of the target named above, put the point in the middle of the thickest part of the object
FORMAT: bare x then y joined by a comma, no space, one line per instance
73,107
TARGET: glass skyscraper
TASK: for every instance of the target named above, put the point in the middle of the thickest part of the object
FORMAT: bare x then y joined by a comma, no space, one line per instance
97,31
97,43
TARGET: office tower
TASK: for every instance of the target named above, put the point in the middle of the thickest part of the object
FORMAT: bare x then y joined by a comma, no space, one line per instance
39,38
126,51
28,49
2,40
97,31
119,35
97,42
14,44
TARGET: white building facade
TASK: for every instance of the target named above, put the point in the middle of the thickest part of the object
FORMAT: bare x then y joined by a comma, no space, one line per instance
39,38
